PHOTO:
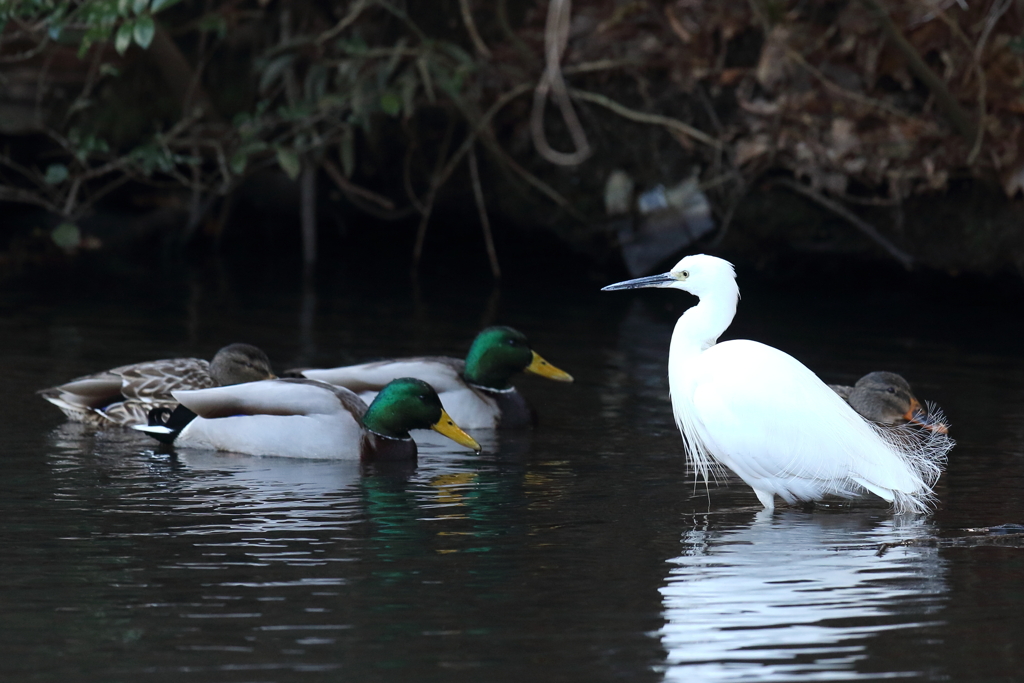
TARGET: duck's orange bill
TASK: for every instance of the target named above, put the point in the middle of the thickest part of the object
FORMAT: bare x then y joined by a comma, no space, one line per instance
541,367
918,416
446,426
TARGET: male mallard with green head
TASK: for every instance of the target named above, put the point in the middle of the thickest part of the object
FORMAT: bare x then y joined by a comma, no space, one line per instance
476,391
303,418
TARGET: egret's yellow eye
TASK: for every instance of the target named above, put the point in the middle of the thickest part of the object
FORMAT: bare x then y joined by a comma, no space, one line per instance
683,275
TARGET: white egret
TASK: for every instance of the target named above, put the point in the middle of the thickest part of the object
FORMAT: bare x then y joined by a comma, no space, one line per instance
768,418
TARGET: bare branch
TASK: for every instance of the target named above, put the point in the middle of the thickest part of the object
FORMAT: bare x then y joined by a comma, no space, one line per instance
350,188
905,259
641,117
485,222
960,119
474,35
23,196
357,8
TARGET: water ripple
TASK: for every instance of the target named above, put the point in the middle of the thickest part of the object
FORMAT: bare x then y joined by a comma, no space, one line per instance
788,598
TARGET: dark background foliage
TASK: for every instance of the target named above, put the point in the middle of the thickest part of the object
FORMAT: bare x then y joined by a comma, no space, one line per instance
458,133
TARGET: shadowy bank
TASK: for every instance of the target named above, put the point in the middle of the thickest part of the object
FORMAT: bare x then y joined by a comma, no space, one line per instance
607,135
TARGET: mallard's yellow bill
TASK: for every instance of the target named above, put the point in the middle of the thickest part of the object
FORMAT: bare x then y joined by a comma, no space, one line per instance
446,425
541,367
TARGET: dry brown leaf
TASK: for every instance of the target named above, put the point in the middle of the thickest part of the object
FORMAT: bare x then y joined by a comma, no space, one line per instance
1013,182
842,138
773,66
748,149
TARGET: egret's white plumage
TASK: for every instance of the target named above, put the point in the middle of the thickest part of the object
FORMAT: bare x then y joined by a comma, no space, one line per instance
768,418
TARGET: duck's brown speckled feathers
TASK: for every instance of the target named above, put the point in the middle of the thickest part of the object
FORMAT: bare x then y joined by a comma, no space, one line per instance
125,395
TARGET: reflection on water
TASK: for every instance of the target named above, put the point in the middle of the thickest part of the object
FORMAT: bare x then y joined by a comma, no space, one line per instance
267,478
543,558
794,596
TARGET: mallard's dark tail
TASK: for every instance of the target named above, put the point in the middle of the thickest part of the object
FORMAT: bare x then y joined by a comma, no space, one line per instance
165,424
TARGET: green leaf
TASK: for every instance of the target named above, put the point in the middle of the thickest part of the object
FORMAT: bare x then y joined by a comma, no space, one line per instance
139,6
274,71
124,7
161,5
335,101
347,151
103,14
123,38
355,46
56,174
300,111
84,47
144,30
289,162
214,23
391,103
409,84
67,236
389,67
147,157
238,161
458,53
316,83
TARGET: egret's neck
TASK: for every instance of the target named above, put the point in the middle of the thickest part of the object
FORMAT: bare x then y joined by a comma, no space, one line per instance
700,327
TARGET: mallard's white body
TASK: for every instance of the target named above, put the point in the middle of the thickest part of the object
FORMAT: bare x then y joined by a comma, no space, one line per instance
470,407
275,417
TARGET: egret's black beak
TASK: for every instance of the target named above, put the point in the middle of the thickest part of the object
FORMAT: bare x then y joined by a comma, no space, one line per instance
663,280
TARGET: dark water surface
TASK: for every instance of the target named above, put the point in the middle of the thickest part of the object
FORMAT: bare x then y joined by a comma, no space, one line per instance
580,551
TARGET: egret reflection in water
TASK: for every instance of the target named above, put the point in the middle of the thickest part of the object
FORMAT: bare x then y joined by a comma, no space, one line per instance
796,597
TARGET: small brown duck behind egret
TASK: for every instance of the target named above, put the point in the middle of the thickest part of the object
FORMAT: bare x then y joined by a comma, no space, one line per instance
886,398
